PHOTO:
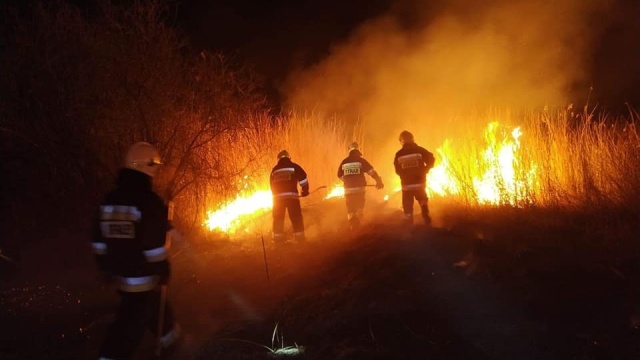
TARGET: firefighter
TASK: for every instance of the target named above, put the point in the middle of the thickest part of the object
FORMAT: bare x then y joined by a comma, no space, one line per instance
284,180
351,171
412,163
129,244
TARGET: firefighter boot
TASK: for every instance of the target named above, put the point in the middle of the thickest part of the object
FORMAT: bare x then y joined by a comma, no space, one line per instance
354,221
299,237
407,219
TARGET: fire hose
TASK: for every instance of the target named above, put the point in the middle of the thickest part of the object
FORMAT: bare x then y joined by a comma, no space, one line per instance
316,189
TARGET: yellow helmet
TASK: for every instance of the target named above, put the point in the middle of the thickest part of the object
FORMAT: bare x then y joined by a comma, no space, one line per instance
406,137
354,146
283,154
143,157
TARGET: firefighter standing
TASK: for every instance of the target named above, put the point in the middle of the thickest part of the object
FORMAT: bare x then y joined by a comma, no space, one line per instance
412,163
284,180
129,243
351,171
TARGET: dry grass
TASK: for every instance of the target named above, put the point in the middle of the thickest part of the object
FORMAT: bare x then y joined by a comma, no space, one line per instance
563,159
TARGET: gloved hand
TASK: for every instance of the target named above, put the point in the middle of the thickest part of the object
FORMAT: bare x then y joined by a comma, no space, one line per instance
379,185
304,193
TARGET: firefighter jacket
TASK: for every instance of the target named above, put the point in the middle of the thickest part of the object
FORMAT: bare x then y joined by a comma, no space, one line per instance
285,178
412,163
130,234
351,171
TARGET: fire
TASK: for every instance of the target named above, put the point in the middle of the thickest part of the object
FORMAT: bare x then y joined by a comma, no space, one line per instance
496,176
493,176
228,218
337,191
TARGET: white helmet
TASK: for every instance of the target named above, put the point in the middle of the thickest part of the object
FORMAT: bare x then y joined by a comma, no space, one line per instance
143,157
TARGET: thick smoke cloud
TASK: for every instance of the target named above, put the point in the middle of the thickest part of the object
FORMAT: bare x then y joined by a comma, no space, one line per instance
427,61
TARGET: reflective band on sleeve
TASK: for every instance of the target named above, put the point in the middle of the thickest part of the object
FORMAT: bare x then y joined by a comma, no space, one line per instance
413,186
371,172
137,284
99,248
303,181
155,255
120,212
284,169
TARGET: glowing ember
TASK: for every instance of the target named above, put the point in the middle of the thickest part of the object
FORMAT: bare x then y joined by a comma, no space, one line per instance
229,217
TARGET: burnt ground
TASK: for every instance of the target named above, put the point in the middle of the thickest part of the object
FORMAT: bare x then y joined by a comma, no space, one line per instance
384,292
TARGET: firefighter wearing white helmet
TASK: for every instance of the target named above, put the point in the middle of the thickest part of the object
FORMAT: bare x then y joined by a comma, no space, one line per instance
351,171
412,163
143,157
129,242
285,178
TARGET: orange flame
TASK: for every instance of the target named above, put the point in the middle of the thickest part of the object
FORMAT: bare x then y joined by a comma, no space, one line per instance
496,179
337,191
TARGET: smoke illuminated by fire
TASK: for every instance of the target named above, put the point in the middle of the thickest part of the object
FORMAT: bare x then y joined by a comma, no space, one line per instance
495,178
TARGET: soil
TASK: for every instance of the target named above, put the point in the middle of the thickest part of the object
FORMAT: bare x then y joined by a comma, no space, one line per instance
385,291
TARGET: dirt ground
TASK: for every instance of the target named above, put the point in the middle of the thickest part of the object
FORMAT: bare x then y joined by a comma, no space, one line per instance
383,292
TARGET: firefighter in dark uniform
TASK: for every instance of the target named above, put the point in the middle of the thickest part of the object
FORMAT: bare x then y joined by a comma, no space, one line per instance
129,244
412,163
351,171
284,180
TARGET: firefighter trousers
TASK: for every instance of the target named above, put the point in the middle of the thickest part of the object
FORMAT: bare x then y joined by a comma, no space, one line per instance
137,312
355,207
419,195
280,207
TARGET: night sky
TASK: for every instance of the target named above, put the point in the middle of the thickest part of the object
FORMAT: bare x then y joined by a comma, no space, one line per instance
277,37
281,35
274,36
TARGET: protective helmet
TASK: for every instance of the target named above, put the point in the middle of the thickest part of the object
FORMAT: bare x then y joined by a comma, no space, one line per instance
354,149
143,157
283,154
406,137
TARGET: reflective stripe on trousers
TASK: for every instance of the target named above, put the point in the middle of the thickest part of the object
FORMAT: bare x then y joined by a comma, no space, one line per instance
137,284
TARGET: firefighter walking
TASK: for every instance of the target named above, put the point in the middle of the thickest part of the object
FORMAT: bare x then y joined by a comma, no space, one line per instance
129,244
412,163
352,172
284,180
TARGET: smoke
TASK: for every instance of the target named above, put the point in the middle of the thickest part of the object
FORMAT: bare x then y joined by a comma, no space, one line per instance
426,62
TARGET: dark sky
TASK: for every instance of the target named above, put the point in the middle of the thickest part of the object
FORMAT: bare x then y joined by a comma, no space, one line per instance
280,35
274,35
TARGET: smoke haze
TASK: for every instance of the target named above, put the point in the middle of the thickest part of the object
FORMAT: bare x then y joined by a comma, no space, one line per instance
426,62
